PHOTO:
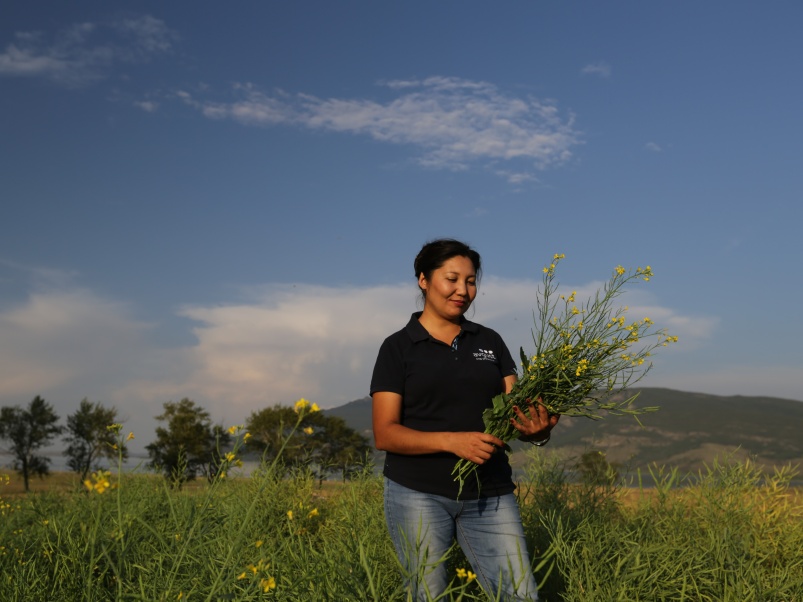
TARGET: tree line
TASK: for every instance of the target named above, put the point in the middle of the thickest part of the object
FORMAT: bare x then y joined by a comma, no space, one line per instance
187,443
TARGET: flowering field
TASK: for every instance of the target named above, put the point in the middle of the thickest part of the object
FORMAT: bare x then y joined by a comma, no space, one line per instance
728,534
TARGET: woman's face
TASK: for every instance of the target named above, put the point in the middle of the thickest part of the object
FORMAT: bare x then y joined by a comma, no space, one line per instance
451,288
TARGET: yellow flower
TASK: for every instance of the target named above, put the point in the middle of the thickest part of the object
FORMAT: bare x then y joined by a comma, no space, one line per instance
290,514
130,436
315,408
461,573
313,512
99,482
258,543
246,437
231,430
230,456
308,430
180,595
620,270
241,576
301,404
470,576
575,311
268,584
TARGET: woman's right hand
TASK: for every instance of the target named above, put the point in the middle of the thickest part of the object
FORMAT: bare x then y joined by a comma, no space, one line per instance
473,446
391,436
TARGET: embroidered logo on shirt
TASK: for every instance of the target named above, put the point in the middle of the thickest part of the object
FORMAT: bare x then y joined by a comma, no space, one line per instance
485,354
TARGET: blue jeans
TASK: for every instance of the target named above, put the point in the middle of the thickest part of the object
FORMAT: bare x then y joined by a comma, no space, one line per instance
423,527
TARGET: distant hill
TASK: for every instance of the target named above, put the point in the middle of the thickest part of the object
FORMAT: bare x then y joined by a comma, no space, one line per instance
690,429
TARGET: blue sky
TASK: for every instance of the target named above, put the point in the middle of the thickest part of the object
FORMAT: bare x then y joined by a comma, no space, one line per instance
223,202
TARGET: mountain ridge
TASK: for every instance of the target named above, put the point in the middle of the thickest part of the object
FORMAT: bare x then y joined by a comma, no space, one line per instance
689,430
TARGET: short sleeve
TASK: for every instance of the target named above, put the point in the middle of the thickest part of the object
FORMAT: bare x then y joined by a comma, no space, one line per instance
389,372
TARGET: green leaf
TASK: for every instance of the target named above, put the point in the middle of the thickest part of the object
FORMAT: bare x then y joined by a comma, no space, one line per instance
525,361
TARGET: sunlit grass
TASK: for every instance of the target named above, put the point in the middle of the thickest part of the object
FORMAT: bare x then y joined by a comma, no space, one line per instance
729,533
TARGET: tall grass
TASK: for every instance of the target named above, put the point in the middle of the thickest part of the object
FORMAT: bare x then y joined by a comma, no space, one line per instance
728,533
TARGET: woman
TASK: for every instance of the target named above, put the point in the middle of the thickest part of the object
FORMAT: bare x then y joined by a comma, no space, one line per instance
431,382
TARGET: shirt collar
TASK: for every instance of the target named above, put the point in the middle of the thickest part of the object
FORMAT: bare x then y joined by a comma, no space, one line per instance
418,333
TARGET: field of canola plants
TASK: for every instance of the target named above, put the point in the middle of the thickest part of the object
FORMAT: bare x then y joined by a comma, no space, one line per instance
729,533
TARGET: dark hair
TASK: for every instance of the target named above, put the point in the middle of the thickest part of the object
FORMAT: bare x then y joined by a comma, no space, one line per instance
437,252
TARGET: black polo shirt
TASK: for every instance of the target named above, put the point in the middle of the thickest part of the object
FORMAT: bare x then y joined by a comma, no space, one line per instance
444,388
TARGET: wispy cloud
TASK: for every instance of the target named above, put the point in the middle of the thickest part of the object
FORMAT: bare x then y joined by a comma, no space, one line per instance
477,212
598,68
85,52
654,147
455,122
516,177
149,106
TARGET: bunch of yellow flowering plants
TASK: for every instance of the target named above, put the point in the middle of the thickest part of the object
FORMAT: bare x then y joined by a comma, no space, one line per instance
585,353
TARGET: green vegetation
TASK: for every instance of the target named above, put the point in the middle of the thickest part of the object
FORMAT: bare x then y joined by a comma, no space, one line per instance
29,430
728,533
321,442
90,439
189,443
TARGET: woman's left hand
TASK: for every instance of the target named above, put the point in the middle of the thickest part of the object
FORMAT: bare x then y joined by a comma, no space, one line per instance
536,424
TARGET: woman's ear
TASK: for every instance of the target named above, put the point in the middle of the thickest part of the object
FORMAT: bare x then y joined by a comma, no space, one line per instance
422,282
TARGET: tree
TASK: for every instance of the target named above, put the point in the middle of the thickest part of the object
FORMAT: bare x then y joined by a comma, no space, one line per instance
342,449
324,443
90,439
595,469
28,430
272,428
189,444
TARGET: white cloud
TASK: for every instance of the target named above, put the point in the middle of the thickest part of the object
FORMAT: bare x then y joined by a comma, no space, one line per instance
84,52
598,68
281,342
652,146
149,106
147,34
57,339
291,341
455,122
477,212
516,177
